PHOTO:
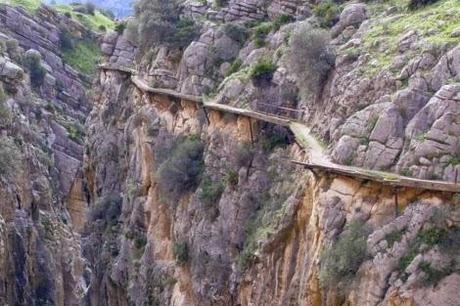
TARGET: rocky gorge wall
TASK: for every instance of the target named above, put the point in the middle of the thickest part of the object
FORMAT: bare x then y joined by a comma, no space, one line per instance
261,239
41,154
162,203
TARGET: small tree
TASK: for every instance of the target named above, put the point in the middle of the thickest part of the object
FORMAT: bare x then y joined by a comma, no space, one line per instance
181,172
66,41
158,22
341,261
311,58
33,63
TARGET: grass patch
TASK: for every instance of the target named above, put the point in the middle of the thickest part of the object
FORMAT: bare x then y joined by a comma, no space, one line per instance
30,5
96,22
84,57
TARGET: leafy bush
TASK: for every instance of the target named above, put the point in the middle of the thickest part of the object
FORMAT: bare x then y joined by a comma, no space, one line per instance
433,275
181,172
416,4
211,191
107,208
232,178
282,20
311,58
235,67
260,32
33,63
158,22
120,27
10,157
432,236
181,252
236,32
66,40
341,261
263,71
185,32
328,13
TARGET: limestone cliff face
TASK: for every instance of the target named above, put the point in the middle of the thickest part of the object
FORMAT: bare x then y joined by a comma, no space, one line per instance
41,153
261,240
164,203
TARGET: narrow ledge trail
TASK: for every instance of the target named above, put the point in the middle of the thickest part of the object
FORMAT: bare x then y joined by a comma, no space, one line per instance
317,159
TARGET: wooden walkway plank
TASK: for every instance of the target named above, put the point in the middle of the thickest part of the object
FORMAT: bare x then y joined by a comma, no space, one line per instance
384,178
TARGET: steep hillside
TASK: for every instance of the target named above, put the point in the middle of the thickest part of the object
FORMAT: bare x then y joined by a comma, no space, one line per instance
257,152
43,106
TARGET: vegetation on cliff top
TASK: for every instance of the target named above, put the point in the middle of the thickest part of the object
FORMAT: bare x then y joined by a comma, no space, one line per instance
93,19
30,5
437,23
83,56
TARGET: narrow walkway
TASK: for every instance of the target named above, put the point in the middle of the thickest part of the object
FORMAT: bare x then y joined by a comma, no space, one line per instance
317,159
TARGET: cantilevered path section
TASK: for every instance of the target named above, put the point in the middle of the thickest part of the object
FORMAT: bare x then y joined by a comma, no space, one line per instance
318,160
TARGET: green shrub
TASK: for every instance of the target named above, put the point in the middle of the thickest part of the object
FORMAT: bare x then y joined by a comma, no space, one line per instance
263,71
211,191
10,157
311,58
235,67
432,275
236,32
260,32
186,30
232,178
158,22
282,20
75,131
66,40
416,4
107,208
120,27
432,236
181,172
33,63
341,261
327,12
181,252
